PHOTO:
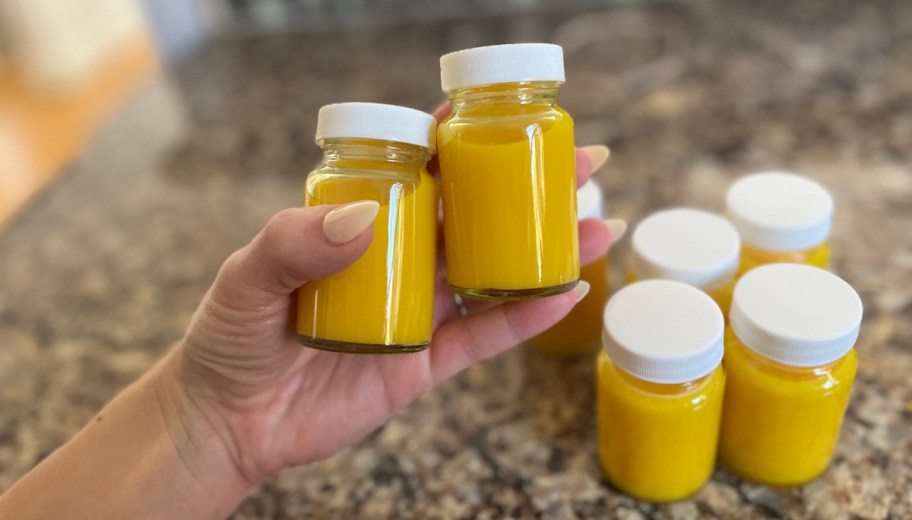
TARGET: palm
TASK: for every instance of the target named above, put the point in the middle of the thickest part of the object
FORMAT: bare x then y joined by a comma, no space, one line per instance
309,392
285,405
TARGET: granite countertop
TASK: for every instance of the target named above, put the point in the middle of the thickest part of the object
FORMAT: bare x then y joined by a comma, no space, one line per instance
99,275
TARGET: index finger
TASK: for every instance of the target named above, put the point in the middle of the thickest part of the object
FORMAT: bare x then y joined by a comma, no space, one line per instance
442,111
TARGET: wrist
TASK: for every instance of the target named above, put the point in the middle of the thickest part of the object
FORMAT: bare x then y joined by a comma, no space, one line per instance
146,454
199,439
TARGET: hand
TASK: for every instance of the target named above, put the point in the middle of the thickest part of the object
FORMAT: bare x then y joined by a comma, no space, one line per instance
274,403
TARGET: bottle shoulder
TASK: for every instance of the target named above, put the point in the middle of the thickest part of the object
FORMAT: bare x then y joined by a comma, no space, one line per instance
366,170
508,112
506,127
743,363
633,389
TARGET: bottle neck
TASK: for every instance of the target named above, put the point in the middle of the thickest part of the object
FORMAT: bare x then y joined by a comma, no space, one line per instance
526,93
370,154
662,389
797,256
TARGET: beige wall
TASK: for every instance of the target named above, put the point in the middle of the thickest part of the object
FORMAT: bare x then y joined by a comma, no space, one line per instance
60,43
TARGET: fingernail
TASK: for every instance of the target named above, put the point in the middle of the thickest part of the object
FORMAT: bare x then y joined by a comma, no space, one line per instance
597,155
616,227
581,290
344,224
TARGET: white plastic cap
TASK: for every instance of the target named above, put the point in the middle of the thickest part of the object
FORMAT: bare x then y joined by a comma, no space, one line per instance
778,211
663,331
795,314
686,245
377,121
589,201
510,63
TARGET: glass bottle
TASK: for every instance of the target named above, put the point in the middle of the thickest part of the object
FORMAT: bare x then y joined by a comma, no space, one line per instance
690,246
781,217
659,389
508,174
580,332
790,362
382,303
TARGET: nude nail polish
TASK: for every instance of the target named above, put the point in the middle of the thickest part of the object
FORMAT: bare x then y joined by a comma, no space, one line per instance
345,223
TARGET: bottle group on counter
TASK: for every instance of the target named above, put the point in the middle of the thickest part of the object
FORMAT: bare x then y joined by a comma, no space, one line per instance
730,340
789,359
788,368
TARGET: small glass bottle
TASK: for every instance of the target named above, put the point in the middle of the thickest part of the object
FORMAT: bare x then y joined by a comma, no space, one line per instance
690,246
383,302
659,389
790,362
580,331
508,174
781,217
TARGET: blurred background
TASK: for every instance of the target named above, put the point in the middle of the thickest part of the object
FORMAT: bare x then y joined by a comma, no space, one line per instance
141,142
67,66
263,67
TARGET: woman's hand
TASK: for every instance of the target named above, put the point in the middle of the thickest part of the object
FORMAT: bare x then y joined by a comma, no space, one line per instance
239,398
275,403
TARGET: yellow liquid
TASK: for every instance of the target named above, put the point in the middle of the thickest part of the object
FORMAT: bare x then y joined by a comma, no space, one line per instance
580,332
657,442
780,424
384,301
508,181
817,256
721,295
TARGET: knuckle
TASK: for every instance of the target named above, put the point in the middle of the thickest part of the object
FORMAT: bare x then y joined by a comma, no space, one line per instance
467,343
277,228
229,266
516,331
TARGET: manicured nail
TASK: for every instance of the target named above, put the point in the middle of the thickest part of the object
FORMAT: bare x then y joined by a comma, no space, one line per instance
344,224
616,227
581,290
597,155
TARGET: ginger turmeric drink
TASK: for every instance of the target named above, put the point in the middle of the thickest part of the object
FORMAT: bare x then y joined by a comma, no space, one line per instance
383,302
659,390
790,362
579,333
781,217
508,175
690,246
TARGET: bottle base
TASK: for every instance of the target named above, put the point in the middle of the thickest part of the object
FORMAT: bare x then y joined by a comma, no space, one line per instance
514,294
652,496
775,483
659,499
349,347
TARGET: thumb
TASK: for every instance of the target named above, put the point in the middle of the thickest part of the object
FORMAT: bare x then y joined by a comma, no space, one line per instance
297,245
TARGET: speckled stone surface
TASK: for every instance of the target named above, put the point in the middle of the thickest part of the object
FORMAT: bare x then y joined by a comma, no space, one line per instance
99,275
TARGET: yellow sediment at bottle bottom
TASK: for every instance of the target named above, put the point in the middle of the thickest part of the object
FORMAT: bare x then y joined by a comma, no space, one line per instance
817,256
580,332
508,182
386,297
657,442
780,424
